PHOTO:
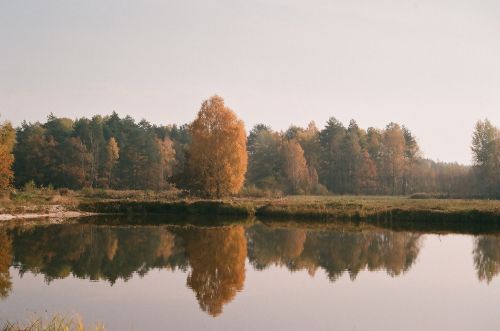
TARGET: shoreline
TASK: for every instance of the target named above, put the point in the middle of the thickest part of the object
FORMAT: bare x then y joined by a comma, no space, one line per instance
299,208
53,212
308,209
29,216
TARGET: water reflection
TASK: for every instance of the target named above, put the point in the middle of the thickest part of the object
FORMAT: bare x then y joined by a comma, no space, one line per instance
95,252
335,252
217,259
214,257
487,256
5,262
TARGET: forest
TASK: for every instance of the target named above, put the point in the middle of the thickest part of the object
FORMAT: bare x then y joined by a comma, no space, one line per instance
213,156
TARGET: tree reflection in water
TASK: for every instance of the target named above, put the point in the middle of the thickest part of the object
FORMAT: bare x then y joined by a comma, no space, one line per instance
5,263
214,257
96,252
335,252
486,255
217,259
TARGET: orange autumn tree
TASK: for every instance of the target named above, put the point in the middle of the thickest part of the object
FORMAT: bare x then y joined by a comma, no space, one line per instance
217,154
295,167
7,140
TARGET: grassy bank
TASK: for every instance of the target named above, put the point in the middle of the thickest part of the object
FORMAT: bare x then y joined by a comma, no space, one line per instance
43,200
377,209
182,207
310,208
381,209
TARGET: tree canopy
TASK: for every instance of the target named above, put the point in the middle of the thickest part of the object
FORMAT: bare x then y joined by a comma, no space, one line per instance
210,157
217,153
7,141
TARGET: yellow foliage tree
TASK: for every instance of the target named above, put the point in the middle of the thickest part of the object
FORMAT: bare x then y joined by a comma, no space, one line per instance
7,140
217,154
167,161
393,153
295,167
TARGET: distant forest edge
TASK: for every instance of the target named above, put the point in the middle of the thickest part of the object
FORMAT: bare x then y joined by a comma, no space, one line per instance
214,157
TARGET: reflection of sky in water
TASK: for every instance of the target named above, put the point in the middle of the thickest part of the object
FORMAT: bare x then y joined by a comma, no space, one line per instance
441,290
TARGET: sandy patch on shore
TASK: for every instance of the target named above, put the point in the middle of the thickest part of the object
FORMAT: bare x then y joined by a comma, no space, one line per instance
56,212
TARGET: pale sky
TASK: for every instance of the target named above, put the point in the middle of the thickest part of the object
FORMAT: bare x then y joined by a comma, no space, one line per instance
433,65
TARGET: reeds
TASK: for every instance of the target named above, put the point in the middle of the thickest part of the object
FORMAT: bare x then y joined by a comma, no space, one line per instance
54,323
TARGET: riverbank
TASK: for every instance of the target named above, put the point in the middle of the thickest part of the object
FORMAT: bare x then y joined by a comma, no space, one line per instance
382,209
377,209
312,208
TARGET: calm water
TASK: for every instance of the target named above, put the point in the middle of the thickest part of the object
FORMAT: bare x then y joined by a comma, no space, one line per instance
157,277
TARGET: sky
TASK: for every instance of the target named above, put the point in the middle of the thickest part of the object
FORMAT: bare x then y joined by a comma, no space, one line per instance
432,65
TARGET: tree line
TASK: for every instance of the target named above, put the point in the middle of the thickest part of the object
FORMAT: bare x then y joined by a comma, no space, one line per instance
348,160
486,153
213,156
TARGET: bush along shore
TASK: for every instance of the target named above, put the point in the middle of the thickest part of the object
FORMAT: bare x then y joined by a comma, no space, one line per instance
182,207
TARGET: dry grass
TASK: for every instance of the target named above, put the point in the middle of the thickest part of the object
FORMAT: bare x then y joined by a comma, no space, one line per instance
385,202
309,208
54,323
292,207
39,202
147,195
42,200
375,207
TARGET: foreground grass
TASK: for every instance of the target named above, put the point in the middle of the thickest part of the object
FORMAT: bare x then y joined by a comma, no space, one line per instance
55,323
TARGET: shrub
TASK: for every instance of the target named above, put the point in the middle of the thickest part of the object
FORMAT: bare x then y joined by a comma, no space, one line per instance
64,191
429,196
253,191
29,187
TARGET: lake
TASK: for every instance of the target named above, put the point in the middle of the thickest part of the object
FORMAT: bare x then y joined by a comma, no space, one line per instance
251,276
